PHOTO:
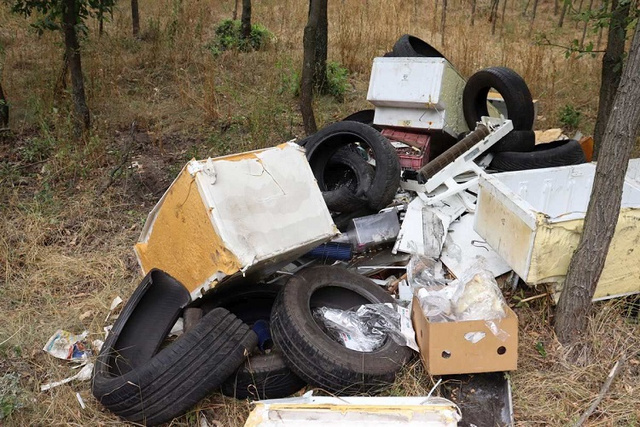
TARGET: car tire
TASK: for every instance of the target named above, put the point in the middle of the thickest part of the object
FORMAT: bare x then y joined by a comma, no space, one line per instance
311,353
262,376
409,46
326,142
346,179
521,141
176,377
511,87
552,154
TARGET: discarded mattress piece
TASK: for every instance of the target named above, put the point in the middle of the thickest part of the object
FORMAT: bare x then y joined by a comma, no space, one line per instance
312,410
232,214
534,220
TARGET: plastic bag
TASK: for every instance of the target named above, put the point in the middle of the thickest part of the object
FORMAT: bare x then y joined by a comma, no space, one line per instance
424,271
481,299
475,297
364,329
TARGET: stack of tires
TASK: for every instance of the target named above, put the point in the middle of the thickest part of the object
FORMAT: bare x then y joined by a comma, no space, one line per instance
518,149
144,379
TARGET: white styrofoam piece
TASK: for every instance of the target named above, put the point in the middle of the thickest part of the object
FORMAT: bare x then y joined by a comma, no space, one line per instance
309,410
464,250
424,227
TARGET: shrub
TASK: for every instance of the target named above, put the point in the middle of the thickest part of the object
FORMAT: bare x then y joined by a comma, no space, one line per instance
228,38
570,117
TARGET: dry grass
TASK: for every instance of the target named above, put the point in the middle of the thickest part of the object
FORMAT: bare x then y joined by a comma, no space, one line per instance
65,252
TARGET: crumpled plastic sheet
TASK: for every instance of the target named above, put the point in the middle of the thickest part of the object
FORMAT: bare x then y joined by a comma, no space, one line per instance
474,297
366,328
425,271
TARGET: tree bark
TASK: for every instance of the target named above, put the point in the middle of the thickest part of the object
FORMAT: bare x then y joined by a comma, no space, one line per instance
565,5
611,69
584,29
321,47
4,109
135,19
245,20
235,11
70,18
443,21
493,16
306,83
473,11
623,127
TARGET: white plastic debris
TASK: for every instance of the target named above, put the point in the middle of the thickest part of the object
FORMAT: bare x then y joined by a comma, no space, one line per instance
114,304
83,375
80,401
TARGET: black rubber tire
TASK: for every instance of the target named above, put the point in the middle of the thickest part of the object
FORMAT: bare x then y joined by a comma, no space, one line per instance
362,116
558,153
324,144
409,46
179,375
352,178
521,141
262,376
312,354
510,85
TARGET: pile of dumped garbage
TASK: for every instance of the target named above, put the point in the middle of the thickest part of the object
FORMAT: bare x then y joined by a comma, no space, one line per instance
332,262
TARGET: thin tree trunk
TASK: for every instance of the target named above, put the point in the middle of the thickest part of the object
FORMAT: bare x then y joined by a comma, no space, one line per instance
306,83
611,69
321,47
4,109
556,7
70,18
473,11
245,24
61,83
493,16
443,21
504,11
623,127
565,5
434,25
235,11
135,19
579,10
533,15
526,6
584,30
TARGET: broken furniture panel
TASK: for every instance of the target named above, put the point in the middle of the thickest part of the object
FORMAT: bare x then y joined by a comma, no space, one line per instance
232,214
464,250
534,220
309,410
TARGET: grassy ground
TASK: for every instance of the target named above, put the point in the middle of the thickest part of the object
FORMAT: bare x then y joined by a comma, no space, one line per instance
65,241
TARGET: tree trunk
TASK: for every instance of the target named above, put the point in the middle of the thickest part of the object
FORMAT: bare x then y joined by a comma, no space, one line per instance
135,19
584,29
533,15
245,25
504,11
443,21
70,18
306,83
4,110
611,69
235,11
473,11
556,7
600,222
321,47
493,16
565,5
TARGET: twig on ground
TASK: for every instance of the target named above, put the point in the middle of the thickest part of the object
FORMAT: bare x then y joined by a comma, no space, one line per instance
113,175
605,387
